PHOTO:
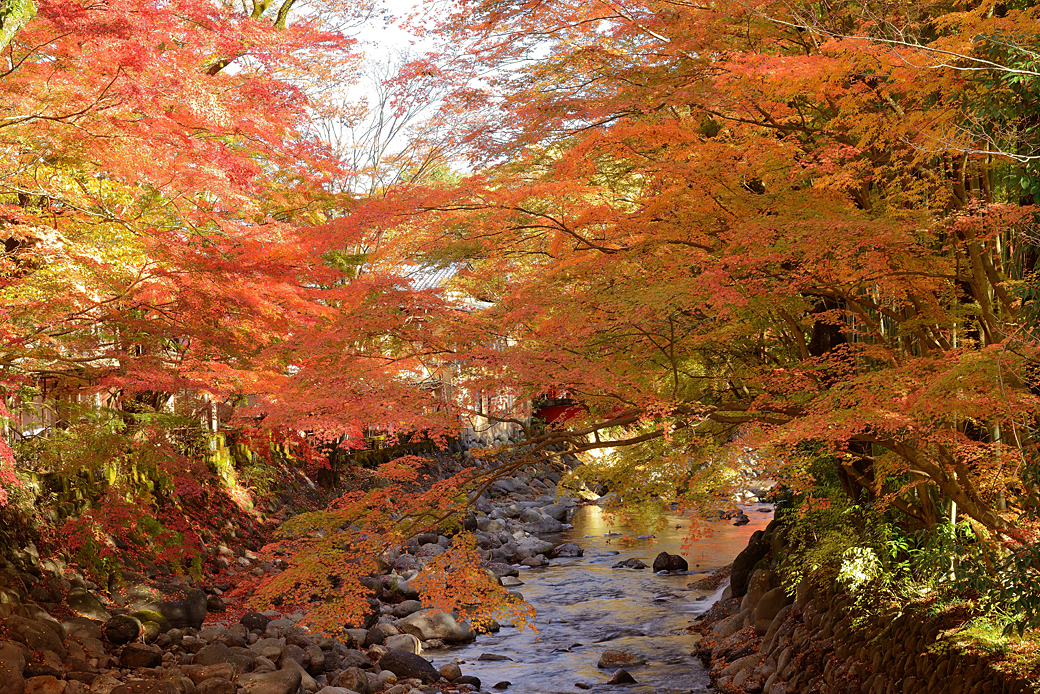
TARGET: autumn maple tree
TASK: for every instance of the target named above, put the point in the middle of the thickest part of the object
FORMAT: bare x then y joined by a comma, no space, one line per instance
757,226
737,235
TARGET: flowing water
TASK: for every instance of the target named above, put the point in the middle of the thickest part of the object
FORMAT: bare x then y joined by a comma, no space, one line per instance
584,607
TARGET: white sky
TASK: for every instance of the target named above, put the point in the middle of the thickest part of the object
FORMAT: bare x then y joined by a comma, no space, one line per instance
381,41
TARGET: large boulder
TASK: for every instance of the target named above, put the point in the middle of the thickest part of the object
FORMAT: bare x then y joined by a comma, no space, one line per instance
530,515
531,547
83,603
769,605
544,526
406,608
81,627
436,624
214,653
670,562
122,629
44,684
216,685
757,548
404,642
12,663
200,673
761,582
353,679
137,655
557,511
279,682
182,606
37,636
145,616
408,665
254,621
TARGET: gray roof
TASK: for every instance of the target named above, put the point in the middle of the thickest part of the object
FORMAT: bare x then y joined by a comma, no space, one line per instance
423,277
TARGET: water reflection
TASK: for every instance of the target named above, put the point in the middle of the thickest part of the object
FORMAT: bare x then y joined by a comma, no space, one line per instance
584,607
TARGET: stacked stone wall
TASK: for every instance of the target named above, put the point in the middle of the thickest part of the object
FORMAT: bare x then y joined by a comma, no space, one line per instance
766,641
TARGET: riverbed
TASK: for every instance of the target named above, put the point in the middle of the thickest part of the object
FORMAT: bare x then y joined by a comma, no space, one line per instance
585,607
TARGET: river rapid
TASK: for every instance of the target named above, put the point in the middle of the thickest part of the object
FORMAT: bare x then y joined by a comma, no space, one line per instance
585,607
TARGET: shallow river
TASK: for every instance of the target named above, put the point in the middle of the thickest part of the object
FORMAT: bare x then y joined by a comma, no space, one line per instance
584,607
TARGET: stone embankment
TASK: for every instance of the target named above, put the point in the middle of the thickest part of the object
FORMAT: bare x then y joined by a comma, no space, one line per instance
62,634
759,639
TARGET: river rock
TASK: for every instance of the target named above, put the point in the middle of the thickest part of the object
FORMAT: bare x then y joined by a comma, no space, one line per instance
616,658
81,627
530,515
377,634
83,603
404,642
292,652
214,653
200,673
544,526
632,563
37,636
353,679
569,549
468,679
280,682
12,663
450,671
216,685
622,676
407,665
254,621
760,583
306,681
435,624
557,511
137,655
670,562
501,569
44,684
406,608
142,687
769,605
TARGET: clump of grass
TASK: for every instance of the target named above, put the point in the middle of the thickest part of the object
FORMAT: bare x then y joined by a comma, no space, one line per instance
1008,651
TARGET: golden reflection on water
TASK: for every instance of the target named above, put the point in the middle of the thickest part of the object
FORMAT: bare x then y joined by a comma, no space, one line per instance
585,606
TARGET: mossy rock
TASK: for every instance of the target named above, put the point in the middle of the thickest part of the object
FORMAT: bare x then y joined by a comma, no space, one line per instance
152,630
145,616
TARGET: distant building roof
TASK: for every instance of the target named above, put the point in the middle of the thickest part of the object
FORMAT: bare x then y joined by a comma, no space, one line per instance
424,277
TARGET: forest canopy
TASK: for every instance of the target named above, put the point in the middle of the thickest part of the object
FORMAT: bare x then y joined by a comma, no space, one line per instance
787,240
